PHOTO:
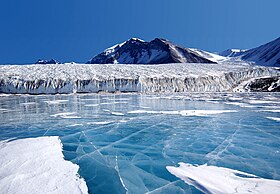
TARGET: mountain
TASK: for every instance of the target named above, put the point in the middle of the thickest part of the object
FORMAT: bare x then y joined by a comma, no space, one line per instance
266,55
232,52
52,61
157,51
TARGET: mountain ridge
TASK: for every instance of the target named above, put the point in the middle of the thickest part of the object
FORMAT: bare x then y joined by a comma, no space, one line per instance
157,51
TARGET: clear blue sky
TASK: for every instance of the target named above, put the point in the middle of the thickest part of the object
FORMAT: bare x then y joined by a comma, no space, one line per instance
76,30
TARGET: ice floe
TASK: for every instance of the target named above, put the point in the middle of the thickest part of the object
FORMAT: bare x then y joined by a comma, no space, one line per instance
263,102
117,113
274,118
218,180
183,112
100,122
37,165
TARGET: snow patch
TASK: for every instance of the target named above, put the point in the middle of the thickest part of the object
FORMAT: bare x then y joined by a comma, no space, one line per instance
213,179
117,113
274,118
183,112
36,165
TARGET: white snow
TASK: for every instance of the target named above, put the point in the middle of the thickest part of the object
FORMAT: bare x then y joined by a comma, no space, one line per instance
232,52
263,102
210,56
62,114
218,180
183,112
36,165
274,118
100,122
117,113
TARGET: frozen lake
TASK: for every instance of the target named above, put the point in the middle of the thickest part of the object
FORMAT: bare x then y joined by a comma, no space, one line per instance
123,142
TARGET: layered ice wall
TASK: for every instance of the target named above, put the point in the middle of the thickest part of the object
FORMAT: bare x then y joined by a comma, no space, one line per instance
87,78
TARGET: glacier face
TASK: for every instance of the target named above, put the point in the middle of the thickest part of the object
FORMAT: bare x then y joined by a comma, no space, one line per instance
89,78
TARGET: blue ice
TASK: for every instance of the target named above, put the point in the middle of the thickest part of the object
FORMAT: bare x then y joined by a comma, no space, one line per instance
123,142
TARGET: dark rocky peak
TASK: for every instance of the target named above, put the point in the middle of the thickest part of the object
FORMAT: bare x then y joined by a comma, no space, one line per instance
52,61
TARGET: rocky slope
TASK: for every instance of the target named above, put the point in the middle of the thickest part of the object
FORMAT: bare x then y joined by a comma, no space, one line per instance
157,51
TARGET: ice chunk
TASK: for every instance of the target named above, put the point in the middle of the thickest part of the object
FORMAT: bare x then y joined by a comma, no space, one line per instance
213,179
263,102
36,165
117,113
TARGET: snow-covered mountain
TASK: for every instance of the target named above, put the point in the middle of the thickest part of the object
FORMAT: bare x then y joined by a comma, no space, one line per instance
52,61
157,51
232,52
266,55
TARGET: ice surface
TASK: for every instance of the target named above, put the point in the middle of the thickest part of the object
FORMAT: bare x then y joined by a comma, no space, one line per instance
37,165
212,179
90,78
124,152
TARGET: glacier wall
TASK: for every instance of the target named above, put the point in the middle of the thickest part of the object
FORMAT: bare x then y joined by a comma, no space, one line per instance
80,78
59,86
226,82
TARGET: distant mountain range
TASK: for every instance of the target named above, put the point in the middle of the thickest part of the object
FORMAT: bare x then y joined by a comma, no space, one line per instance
232,52
161,51
266,55
52,61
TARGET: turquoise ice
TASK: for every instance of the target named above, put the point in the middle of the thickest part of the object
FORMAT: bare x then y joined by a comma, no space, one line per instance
123,142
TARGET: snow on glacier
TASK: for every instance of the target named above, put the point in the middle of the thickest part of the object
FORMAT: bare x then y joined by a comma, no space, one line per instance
37,165
120,149
90,78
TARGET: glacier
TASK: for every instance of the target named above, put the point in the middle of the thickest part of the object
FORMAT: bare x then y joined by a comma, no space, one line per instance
164,78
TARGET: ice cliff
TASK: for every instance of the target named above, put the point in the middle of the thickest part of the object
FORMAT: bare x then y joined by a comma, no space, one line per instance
88,78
